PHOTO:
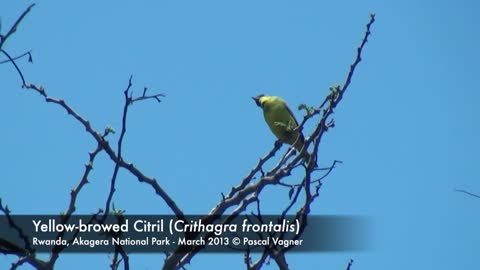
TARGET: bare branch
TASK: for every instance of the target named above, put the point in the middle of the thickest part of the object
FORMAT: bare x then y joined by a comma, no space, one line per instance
13,29
26,254
29,53
144,96
72,205
279,258
110,152
3,39
359,55
258,264
254,171
17,228
10,59
119,147
349,264
468,193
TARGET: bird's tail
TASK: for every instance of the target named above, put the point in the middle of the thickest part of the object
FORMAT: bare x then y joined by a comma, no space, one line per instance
308,157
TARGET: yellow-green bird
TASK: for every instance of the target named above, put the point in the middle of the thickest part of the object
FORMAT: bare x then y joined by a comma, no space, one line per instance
281,120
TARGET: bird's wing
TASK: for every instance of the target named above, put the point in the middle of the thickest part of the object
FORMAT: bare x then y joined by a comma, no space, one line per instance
290,112
300,139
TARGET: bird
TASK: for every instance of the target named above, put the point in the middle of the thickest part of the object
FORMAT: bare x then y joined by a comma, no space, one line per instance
281,120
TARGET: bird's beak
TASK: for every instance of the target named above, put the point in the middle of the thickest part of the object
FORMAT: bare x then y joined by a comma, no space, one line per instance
257,101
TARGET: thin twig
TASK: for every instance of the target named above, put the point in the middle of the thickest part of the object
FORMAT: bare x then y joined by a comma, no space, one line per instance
13,29
349,265
72,205
468,193
18,57
16,67
119,147
144,96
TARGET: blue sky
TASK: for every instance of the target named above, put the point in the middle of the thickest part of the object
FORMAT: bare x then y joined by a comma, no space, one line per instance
407,129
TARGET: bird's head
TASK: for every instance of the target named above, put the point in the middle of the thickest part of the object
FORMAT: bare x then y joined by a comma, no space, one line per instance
257,100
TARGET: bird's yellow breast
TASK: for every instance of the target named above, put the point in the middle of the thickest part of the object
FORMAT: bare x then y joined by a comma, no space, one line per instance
280,119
